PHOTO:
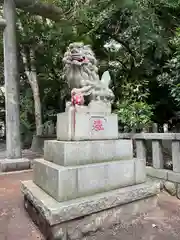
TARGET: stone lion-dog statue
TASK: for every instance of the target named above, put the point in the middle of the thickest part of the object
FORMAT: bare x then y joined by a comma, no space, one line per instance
81,73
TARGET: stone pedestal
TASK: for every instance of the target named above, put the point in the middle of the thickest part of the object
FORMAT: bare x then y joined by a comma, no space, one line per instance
78,126
85,172
78,218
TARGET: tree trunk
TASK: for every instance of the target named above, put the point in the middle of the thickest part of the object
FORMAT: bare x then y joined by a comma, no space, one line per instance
37,103
2,23
32,77
13,143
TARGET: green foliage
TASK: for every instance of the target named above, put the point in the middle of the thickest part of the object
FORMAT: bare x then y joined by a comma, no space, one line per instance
133,111
137,41
134,115
135,91
48,40
170,75
26,111
141,29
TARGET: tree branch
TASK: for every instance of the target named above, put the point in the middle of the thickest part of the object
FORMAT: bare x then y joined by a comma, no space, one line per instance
125,45
39,8
25,61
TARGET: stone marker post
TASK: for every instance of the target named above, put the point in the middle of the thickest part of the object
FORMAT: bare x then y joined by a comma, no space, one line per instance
13,143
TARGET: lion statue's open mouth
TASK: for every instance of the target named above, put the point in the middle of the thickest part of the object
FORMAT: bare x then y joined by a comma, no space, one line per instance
80,66
78,58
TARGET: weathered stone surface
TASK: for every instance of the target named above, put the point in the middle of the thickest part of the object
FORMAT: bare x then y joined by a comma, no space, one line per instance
7,165
57,181
170,187
77,229
13,135
102,221
157,154
150,136
158,173
55,212
80,83
161,181
163,174
72,153
99,107
140,170
79,126
64,125
176,156
173,177
178,191
140,149
65,183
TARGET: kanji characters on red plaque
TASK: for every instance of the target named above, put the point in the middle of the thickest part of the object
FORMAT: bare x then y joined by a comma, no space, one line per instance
98,125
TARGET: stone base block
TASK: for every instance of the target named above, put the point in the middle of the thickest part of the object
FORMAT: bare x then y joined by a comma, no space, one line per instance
78,218
65,183
157,173
174,176
164,174
72,153
80,126
8,165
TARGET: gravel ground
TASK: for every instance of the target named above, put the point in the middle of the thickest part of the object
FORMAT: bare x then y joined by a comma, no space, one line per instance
162,223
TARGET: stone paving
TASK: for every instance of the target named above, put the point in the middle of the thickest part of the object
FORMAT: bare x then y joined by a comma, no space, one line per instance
162,223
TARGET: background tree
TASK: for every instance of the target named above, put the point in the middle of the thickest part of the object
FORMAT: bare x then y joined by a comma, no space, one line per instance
137,41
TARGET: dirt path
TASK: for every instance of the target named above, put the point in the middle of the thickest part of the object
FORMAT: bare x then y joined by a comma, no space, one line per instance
163,223
14,221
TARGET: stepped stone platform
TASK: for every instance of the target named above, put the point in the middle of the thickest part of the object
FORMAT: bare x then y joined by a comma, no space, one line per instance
80,184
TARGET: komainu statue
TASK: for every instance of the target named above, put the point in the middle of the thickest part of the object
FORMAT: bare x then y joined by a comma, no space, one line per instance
81,72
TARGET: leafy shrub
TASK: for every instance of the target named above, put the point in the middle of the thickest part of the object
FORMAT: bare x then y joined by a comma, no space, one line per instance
134,114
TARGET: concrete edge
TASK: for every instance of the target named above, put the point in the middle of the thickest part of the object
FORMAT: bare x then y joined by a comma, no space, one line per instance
163,174
55,212
16,172
173,177
11,165
157,173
